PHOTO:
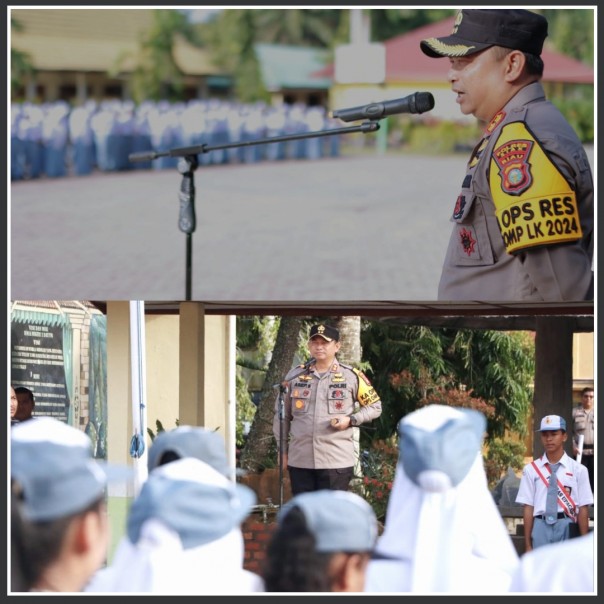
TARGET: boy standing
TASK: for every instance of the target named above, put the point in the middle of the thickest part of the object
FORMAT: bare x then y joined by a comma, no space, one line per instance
554,510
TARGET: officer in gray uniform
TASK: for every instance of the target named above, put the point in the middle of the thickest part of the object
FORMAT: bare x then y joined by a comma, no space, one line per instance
320,403
583,425
523,221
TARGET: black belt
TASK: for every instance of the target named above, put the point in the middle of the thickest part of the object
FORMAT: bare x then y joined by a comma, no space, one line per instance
559,516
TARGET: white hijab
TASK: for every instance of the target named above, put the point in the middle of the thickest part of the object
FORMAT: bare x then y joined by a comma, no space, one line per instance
445,538
159,563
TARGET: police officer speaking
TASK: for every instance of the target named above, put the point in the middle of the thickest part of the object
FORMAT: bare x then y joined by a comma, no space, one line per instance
319,413
523,220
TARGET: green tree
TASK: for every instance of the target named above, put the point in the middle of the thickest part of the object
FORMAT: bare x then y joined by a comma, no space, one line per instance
233,33
410,366
414,365
255,342
20,64
390,22
259,450
231,37
156,75
300,27
563,26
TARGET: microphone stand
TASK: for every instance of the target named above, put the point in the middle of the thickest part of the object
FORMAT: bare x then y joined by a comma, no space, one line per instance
188,163
282,390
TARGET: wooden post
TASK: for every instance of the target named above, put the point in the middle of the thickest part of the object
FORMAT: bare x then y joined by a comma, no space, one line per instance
553,374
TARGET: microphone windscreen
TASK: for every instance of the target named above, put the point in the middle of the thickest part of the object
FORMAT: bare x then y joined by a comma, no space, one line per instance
424,101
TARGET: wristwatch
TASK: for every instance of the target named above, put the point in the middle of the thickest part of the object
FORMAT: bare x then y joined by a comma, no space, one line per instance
353,420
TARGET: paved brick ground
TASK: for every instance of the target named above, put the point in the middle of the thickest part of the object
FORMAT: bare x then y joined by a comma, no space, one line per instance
346,228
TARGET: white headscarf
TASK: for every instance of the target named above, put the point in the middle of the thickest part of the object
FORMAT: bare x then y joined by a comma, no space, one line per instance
158,564
546,569
158,561
445,537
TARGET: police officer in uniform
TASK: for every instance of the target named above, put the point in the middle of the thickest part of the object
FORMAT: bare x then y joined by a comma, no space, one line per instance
583,424
319,411
523,220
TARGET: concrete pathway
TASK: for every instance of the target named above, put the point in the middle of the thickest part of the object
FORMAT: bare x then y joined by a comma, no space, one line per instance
346,228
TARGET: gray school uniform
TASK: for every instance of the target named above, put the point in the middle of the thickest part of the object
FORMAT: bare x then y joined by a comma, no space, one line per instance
477,265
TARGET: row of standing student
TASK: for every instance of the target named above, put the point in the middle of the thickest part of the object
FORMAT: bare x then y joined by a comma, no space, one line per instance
443,531
55,140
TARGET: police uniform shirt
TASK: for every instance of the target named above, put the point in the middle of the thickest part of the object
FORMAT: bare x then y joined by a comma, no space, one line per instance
572,475
311,401
546,259
583,423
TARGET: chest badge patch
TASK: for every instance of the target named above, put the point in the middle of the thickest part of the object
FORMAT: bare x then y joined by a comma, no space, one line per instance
460,204
468,243
477,153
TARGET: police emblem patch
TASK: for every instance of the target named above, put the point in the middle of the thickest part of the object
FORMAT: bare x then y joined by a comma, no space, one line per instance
514,167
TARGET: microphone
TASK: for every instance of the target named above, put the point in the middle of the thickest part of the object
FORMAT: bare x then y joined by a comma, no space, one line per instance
309,363
419,102
305,367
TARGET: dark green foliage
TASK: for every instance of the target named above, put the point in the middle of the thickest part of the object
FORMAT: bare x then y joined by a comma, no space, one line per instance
502,454
415,365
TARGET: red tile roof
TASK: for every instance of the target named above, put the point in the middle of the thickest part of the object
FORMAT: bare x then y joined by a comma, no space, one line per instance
405,61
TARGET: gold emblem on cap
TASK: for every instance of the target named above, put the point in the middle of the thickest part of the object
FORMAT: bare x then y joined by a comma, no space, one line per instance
457,23
451,50
321,329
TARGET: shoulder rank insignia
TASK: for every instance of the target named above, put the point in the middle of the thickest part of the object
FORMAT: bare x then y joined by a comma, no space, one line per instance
495,122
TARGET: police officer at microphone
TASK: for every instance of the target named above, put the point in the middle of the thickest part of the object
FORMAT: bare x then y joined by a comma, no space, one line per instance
523,219
323,400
